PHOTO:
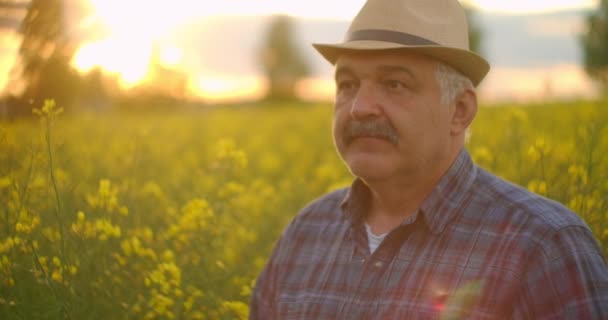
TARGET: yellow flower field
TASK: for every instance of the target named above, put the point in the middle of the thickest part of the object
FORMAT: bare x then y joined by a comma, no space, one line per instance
172,215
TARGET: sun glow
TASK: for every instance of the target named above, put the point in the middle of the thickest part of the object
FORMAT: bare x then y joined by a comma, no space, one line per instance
120,56
170,56
10,42
530,6
222,88
130,36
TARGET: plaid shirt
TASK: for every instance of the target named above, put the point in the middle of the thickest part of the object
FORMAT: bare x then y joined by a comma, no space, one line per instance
478,248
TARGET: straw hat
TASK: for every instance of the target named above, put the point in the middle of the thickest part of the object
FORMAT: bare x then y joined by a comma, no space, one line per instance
437,28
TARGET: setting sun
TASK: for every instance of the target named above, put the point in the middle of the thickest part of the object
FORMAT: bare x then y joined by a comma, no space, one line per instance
124,57
170,56
129,38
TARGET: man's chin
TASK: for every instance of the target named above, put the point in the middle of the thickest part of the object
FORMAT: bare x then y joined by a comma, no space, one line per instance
366,166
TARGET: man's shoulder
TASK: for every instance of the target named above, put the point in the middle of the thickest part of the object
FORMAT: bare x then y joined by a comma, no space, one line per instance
541,227
534,208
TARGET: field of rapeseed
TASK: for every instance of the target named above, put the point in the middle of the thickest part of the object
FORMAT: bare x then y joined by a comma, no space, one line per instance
172,215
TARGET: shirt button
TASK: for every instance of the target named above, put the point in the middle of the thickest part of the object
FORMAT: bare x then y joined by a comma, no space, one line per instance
378,264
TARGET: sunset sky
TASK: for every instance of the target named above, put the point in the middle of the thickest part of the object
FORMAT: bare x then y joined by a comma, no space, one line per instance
112,24
186,9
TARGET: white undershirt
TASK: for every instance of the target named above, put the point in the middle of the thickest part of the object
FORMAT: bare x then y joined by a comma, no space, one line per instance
373,240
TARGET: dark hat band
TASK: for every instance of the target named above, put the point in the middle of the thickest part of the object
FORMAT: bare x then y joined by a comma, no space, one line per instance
389,36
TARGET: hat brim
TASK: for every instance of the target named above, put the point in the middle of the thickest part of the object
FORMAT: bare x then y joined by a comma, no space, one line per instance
468,63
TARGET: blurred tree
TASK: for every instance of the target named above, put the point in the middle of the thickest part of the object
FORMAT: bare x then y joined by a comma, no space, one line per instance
595,45
282,60
11,12
475,32
43,68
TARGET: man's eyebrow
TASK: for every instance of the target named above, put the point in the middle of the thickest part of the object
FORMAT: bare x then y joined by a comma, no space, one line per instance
343,71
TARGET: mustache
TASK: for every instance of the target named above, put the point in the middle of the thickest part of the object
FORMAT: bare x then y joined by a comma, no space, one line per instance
376,128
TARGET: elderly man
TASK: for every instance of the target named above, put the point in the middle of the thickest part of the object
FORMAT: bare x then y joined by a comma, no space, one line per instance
423,233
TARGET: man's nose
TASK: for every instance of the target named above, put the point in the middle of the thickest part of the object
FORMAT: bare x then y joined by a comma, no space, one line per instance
366,103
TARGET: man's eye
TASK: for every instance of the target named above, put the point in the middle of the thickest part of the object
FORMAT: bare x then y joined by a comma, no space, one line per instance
394,84
346,85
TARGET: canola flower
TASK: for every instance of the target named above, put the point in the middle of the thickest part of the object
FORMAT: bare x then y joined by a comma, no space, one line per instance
176,221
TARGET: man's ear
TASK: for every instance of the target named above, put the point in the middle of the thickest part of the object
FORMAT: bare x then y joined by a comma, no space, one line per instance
465,109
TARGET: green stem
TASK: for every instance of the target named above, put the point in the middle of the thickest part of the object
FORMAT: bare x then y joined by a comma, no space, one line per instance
23,195
46,276
48,282
57,202
55,189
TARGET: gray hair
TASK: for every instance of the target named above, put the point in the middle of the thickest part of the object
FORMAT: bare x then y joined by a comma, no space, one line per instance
451,82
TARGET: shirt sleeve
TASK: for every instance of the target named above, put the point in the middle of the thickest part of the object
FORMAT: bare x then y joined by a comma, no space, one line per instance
261,306
263,303
567,278
263,297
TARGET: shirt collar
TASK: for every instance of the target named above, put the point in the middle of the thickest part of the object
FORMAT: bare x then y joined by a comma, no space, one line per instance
356,202
446,199
439,208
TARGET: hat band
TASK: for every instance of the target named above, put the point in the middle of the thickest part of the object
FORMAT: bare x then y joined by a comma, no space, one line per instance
389,36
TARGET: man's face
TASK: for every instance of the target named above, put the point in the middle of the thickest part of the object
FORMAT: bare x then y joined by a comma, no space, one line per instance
389,120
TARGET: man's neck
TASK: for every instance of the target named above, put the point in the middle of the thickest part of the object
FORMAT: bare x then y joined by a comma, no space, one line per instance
393,201
391,204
